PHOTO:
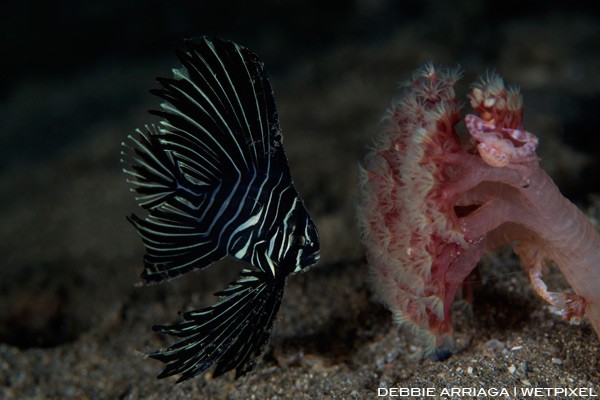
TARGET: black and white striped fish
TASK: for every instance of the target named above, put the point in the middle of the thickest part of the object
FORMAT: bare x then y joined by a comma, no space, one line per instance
215,181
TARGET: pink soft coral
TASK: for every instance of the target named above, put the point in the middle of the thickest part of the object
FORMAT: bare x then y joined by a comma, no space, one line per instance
432,203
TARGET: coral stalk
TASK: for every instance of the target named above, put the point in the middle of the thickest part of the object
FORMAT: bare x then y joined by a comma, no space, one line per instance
433,202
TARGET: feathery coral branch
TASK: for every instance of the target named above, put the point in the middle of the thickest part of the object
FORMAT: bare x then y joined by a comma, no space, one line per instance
432,203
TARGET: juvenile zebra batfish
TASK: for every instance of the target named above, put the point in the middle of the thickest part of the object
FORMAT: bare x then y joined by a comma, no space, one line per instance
215,182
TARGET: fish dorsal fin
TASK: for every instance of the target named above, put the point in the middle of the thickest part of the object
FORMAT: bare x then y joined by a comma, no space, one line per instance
220,112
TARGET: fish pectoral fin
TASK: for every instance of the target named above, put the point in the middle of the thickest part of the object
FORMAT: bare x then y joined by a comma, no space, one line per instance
156,175
151,171
174,245
229,334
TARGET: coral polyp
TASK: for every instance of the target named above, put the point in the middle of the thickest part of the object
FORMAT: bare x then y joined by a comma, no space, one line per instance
432,202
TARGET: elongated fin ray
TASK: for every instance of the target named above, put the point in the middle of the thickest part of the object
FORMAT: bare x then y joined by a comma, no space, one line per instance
230,334
174,245
152,172
220,104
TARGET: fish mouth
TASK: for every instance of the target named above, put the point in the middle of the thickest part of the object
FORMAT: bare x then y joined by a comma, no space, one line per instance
313,258
307,261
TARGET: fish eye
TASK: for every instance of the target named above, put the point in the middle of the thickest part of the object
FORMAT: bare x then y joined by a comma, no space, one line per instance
300,240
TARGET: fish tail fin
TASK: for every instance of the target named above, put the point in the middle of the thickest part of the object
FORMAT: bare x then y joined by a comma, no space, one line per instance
174,245
152,171
173,233
230,333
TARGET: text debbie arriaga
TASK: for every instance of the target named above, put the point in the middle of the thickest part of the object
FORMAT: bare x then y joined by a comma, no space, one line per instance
487,392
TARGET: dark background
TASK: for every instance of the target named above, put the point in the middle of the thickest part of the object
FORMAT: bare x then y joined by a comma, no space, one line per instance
52,40
50,43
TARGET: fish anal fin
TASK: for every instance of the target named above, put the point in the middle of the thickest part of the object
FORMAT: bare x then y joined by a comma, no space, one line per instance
228,334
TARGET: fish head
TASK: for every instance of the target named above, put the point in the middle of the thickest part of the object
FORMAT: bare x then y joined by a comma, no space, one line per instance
303,246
